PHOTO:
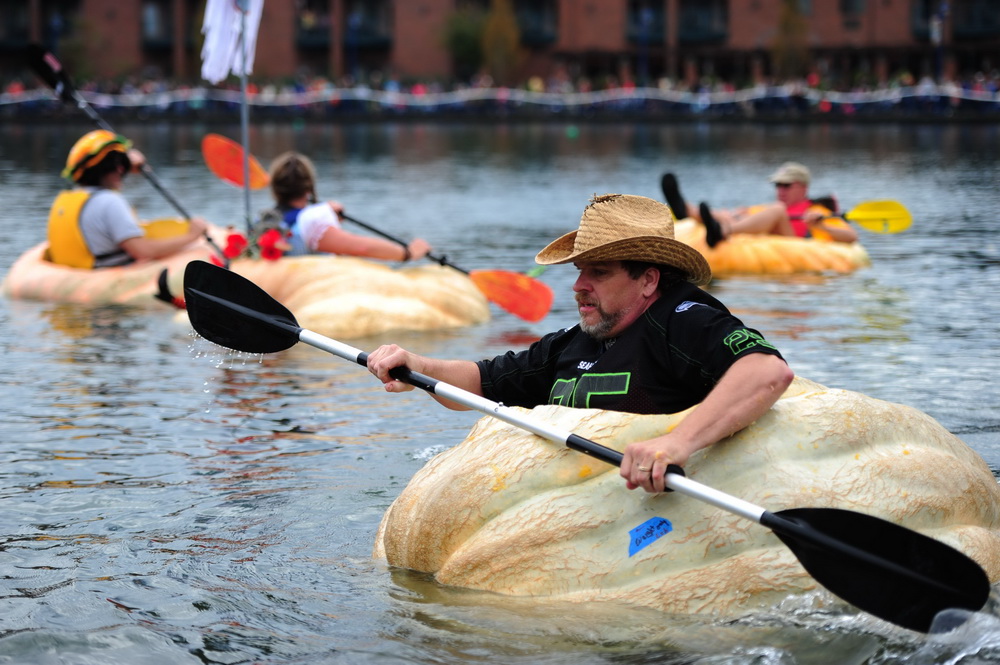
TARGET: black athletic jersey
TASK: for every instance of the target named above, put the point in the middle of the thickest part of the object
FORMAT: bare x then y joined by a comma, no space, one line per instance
666,361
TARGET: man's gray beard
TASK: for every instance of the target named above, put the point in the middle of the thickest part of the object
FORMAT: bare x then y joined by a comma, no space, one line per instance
602,329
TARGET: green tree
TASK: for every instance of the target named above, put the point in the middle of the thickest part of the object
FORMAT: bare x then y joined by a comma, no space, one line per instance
502,42
790,51
463,39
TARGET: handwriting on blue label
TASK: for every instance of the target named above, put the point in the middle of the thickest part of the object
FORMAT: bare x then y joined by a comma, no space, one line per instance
648,532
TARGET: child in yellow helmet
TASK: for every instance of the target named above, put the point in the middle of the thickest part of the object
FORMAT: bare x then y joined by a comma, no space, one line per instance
92,225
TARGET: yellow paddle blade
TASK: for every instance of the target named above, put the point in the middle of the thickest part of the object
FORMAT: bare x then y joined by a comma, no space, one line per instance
224,158
522,296
880,216
164,228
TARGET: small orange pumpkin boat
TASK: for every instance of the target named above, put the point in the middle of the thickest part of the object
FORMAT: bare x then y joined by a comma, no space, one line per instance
757,254
761,254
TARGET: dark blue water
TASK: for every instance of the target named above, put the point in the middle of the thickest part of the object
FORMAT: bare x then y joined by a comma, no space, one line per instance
167,502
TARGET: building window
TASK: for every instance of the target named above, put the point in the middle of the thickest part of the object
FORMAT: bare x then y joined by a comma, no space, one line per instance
645,22
313,24
368,23
157,23
975,19
702,21
14,28
537,21
852,11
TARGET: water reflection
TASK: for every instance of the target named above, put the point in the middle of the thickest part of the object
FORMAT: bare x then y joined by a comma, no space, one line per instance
166,501
463,622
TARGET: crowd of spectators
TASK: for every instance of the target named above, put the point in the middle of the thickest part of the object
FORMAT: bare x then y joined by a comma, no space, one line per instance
379,95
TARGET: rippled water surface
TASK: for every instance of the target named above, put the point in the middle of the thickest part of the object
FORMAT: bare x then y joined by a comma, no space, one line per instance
165,501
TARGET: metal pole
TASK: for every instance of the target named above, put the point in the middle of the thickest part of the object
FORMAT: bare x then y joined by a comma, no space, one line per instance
244,7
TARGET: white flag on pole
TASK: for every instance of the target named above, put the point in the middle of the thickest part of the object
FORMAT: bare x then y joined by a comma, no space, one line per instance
221,53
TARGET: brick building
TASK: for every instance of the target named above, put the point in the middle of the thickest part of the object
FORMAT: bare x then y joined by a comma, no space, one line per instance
735,40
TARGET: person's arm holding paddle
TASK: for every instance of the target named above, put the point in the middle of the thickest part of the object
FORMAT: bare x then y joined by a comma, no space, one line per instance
461,373
338,241
145,249
747,390
821,223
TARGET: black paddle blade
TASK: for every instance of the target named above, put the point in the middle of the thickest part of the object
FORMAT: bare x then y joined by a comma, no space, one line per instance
887,570
50,70
233,312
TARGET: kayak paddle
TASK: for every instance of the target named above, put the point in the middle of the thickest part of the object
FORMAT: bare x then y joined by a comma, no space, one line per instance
518,293
49,69
887,570
224,158
880,216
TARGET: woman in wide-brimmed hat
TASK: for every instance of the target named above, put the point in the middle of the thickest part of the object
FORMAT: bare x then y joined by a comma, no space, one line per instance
649,341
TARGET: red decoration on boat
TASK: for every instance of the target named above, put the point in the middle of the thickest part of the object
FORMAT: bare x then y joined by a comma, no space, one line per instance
272,245
235,244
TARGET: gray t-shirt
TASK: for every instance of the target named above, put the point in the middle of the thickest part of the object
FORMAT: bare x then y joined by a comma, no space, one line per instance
106,221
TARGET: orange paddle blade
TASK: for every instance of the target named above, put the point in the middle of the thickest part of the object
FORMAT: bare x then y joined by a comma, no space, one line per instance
224,158
522,296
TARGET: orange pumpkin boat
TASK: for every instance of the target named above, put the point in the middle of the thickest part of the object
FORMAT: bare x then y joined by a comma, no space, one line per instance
758,254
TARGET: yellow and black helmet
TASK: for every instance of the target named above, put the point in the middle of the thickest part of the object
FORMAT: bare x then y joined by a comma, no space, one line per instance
91,150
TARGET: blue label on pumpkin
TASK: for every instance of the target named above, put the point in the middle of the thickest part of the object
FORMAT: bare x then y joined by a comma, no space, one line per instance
648,532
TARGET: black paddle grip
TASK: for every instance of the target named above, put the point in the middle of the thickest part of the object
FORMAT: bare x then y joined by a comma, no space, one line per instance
415,379
406,375
605,454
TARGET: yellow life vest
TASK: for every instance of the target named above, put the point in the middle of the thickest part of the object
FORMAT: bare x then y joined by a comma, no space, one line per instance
66,244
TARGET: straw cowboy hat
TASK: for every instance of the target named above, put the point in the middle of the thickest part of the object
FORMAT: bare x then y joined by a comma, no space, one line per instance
623,227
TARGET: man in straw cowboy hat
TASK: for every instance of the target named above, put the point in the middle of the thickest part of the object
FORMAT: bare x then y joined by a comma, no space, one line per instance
649,341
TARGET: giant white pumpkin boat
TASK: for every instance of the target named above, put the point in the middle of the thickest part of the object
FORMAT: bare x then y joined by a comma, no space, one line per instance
509,512
337,296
